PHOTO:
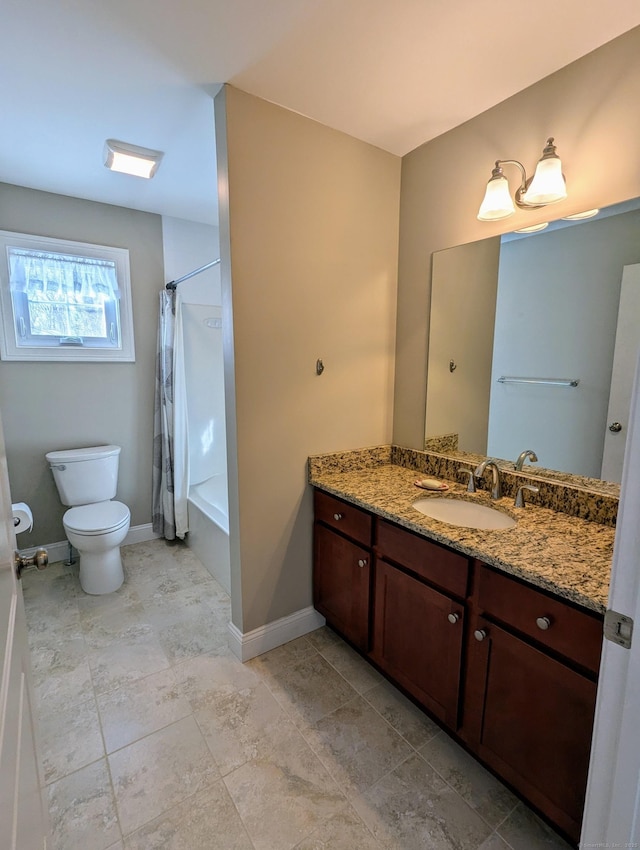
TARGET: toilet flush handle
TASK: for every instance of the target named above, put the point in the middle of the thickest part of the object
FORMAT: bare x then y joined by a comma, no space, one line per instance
60,466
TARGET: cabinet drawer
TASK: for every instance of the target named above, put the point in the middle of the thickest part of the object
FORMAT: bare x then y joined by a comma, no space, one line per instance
575,634
443,567
344,517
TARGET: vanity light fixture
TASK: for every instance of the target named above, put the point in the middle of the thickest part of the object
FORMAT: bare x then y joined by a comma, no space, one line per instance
131,159
580,216
534,228
547,186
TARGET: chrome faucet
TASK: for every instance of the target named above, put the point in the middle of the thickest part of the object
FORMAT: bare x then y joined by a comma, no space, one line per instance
496,487
522,457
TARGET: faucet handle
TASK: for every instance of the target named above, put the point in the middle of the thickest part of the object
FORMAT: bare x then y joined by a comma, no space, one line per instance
471,483
519,500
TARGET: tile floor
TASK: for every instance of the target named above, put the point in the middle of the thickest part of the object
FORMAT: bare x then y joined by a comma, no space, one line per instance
155,736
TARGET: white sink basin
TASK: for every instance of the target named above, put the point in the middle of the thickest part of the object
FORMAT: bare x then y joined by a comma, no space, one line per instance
464,513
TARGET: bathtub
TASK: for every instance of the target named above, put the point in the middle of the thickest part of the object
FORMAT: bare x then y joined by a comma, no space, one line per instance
209,527
207,503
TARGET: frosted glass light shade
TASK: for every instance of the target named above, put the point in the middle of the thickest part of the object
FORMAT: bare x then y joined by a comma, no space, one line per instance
497,202
548,184
534,228
581,215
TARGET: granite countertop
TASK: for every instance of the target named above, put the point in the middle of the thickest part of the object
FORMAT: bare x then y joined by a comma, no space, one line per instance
552,550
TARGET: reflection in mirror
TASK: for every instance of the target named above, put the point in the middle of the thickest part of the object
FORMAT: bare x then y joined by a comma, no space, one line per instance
562,303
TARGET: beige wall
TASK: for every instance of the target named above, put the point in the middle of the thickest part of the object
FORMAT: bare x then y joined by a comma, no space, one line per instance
590,107
48,406
312,226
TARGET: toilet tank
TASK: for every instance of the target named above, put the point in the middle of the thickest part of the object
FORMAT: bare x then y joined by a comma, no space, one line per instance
84,476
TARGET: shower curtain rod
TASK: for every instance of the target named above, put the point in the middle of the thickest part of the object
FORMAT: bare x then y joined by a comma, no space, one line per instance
173,283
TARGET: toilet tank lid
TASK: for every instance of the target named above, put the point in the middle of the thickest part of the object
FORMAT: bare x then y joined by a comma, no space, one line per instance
91,453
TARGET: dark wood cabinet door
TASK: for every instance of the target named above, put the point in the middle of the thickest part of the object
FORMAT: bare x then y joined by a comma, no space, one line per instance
417,639
341,584
531,719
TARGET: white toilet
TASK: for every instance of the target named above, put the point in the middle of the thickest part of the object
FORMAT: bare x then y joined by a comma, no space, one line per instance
95,525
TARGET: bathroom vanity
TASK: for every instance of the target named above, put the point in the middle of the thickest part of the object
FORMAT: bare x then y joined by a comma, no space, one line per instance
496,634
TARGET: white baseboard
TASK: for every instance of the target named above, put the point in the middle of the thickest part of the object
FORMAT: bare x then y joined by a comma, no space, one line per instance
250,644
140,534
60,551
56,551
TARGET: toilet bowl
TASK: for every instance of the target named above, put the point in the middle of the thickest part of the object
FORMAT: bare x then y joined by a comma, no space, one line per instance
96,531
95,524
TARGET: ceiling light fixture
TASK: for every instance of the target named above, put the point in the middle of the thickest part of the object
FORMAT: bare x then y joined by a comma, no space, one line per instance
547,186
131,159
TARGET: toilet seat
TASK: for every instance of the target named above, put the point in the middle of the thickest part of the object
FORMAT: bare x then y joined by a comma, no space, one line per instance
97,518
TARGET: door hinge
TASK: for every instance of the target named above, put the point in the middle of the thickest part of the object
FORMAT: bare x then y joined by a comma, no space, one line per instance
618,628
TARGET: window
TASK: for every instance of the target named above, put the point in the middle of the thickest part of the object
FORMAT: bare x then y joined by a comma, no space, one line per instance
64,300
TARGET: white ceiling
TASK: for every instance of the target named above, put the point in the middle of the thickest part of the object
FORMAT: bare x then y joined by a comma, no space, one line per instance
394,73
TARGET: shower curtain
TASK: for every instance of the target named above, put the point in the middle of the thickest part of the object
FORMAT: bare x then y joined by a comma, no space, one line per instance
170,433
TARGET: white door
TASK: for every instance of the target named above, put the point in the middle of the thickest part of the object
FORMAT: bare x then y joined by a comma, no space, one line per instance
612,808
624,364
23,822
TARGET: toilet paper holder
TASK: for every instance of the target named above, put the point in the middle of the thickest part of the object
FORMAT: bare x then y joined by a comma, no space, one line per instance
23,521
22,517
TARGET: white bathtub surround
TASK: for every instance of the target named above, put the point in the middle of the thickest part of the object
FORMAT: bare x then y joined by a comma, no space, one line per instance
212,499
209,537
208,503
204,376
248,645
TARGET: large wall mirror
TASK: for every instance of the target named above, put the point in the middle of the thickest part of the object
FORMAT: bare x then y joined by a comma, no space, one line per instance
533,344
